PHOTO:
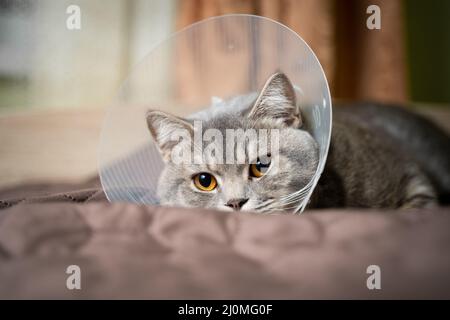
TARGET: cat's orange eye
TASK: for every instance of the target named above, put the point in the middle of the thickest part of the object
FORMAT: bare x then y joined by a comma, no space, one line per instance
205,181
258,169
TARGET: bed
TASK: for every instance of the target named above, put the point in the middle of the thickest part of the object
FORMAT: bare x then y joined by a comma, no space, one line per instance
128,251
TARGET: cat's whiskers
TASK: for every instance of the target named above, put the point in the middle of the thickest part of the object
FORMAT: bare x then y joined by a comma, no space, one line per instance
289,202
263,204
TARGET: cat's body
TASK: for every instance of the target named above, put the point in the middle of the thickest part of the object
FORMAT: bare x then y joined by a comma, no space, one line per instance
380,156
384,156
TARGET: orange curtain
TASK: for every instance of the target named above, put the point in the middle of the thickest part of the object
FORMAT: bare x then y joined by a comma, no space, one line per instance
360,64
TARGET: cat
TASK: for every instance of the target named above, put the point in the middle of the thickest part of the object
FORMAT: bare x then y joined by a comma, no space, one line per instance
379,157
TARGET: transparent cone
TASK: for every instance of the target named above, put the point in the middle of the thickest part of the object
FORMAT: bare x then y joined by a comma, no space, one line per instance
212,60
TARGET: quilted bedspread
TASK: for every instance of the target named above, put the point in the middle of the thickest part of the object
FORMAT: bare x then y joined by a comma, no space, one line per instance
130,251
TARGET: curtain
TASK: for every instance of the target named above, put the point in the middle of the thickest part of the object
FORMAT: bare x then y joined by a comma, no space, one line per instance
360,64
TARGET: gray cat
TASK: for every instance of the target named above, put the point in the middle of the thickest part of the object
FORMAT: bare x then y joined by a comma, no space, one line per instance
379,156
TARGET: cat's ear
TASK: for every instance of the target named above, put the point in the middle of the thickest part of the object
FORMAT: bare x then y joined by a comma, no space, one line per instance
277,102
167,130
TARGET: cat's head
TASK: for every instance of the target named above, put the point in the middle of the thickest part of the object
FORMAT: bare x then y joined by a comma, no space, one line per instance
251,159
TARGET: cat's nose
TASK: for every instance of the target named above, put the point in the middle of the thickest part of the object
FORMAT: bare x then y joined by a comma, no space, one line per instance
236,204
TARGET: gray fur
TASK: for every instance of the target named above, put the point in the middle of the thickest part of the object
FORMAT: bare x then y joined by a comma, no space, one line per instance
297,158
384,157
375,157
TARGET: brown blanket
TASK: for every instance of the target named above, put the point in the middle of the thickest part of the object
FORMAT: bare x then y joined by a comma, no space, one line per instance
129,251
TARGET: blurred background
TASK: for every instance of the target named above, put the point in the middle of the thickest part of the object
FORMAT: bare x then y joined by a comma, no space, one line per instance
55,83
